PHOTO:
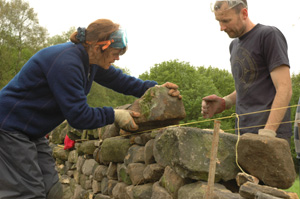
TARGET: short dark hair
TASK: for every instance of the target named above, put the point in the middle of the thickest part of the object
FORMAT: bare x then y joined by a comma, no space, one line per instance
237,7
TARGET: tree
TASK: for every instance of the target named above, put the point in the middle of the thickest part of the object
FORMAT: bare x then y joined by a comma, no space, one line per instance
20,37
100,96
58,39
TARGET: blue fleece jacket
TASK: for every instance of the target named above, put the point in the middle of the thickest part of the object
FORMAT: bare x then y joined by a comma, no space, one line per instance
53,86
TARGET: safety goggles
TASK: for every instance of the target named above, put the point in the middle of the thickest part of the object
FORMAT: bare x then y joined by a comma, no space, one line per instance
117,39
216,4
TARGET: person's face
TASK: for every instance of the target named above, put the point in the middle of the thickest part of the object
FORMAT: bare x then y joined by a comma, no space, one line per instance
230,22
109,57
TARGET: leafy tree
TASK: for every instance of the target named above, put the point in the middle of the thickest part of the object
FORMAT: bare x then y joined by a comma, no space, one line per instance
100,96
296,93
20,37
64,37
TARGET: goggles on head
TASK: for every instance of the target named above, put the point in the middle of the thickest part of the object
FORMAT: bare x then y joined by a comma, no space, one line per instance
216,4
117,39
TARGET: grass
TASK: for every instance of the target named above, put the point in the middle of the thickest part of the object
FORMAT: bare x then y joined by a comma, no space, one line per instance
295,188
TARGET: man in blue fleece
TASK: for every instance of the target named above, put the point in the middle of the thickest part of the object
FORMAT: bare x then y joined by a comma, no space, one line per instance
52,87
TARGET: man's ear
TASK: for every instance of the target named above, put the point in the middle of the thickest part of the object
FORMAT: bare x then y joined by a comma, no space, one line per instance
244,12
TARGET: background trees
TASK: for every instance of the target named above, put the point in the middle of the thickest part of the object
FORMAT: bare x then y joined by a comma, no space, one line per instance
20,37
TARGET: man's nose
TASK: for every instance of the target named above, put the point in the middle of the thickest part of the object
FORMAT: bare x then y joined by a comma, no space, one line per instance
222,27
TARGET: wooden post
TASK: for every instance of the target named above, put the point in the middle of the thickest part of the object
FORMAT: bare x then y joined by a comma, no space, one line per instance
213,159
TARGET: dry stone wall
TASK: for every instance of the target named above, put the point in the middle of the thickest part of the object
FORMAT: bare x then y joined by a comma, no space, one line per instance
169,162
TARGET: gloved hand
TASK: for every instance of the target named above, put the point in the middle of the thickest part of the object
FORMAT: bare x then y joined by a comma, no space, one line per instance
214,104
124,119
267,132
174,92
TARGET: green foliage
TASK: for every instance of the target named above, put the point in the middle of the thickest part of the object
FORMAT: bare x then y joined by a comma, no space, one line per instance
295,188
20,37
64,37
100,96
296,93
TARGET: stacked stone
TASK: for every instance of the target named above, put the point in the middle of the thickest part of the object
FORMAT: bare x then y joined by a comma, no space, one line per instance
168,163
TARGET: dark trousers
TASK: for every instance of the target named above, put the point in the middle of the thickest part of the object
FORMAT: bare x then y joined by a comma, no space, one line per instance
27,168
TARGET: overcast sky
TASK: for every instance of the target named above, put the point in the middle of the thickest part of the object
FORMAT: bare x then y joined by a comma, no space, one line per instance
163,30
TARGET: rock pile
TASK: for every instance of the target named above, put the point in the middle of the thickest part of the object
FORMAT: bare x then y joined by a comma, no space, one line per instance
170,162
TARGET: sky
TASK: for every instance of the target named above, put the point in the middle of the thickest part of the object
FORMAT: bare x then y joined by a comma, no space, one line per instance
164,30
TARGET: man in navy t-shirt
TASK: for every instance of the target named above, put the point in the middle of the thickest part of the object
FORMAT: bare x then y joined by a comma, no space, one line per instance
260,68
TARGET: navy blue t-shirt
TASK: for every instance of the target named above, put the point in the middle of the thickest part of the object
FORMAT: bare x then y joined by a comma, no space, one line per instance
253,57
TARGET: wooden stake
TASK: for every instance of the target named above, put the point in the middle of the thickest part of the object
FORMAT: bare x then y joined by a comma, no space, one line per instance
213,159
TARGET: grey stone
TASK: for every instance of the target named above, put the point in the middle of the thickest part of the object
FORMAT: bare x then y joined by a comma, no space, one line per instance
119,191
153,172
104,186
100,172
148,152
250,190
269,159
114,149
79,163
171,181
110,186
96,186
135,171
135,154
60,153
73,156
172,145
112,171
101,196
86,147
159,192
158,109
142,191
89,167
123,175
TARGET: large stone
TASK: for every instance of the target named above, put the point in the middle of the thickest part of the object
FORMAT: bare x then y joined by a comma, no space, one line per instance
153,172
198,190
187,151
135,154
142,191
251,190
123,175
159,192
57,136
148,153
119,191
135,171
73,156
99,172
112,171
171,181
114,149
89,167
158,109
268,159
109,131
60,153
86,147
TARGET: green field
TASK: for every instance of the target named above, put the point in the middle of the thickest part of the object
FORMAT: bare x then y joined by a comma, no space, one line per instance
295,188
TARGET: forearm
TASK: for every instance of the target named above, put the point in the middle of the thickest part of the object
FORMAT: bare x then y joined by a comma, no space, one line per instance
281,100
230,100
